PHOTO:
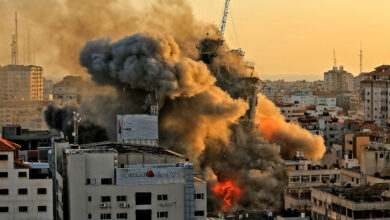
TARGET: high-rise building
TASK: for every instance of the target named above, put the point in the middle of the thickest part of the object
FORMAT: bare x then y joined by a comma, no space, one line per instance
338,79
71,89
375,94
18,82
25,192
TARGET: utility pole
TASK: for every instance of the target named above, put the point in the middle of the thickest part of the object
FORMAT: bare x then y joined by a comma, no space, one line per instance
76,121
14,44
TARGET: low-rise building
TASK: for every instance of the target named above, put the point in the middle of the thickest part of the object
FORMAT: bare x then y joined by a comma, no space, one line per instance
291,111
362,202
25,193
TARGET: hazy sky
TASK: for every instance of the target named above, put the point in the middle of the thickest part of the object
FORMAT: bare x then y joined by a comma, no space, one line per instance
287,39
294,39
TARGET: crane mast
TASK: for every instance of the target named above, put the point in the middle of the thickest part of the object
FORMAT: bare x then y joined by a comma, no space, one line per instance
223,22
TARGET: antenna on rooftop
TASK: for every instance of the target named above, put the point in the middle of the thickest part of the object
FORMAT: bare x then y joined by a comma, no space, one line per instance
334,59
14,44
361,58
76,121
28,48
153,107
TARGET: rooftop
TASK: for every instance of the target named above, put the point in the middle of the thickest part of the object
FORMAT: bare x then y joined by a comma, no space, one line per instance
8,145
129,148
365,193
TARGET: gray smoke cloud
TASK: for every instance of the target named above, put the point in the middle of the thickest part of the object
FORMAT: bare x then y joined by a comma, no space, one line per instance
207,95
197,117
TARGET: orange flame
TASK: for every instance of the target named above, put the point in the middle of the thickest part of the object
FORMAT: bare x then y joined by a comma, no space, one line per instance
228,191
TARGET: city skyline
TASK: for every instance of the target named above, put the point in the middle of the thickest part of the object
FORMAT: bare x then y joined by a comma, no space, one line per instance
286,39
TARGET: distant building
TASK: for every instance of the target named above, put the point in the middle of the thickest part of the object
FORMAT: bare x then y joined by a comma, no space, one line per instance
375,94
25,193
291,111
70,89
27,114
376,162
123,181
19,82
338,79
354,144
47,89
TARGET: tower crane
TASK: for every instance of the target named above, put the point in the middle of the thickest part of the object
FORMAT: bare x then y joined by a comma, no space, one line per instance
224,17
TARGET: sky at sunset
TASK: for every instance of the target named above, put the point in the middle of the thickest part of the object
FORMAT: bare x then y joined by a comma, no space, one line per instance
287,39
294,39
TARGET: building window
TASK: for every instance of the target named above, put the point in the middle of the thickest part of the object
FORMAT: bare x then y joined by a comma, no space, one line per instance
199,196
294,179
105,199
162,197
106,181
22,174
199,213
3,209
41,191
42,208
105,216
89,198
3,174
22,191
89,216
121,198
23,209
3,191
162,214
315,178
3,157
121,215
143,198
305,178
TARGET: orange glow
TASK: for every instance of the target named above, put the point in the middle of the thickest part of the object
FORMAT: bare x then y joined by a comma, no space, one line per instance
228,191
268,127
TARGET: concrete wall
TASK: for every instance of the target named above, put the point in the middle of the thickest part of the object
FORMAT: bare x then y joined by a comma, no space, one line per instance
32,199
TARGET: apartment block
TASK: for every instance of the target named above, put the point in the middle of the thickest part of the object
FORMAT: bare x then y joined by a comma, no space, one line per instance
123,181
343,202
338,79
18,82
375,90
25,193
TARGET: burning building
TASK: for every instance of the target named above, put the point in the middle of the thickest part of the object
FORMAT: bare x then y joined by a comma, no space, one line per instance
209,109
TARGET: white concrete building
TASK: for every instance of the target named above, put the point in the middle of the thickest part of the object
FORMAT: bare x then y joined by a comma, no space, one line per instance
291,111
123,181
375,93
25,193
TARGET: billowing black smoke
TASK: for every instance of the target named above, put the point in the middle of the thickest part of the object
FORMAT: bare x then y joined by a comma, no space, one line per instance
61,118
206,110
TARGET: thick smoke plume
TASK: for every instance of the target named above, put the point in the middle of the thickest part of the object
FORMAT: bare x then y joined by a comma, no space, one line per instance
61,118
60,28
207,96
290,136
